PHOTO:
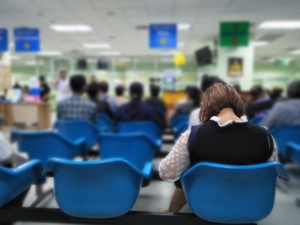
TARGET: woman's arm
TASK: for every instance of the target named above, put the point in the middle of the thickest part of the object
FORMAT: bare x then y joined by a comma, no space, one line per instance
177,161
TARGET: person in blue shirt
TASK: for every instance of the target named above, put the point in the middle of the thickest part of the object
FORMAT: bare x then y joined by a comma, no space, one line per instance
137,110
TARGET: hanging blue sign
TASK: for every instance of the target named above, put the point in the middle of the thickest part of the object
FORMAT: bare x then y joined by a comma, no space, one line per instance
163,36
27,40
3,40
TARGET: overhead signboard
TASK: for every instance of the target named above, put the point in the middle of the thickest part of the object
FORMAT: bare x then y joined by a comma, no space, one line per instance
234,34
3,40
163,36
27,40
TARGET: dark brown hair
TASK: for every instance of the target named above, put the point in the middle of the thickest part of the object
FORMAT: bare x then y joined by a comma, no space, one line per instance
218,97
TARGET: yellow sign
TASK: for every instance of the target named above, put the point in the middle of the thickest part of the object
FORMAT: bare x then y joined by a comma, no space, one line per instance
235,67
163,41
179,59
27,45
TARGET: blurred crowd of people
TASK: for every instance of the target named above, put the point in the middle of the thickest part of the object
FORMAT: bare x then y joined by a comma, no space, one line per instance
72,103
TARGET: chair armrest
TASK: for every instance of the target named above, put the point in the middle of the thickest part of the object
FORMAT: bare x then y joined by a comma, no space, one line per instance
147,170
31,164
281,172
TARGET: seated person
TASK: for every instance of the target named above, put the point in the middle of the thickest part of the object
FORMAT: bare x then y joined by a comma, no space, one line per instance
285,112
192,102
225,136
76,107
104,88
260,103
154,100
93,92
137,110
121,100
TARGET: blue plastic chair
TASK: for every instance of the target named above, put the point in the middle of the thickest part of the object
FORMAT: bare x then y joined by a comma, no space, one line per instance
76,129
179,119
283,135
104,123
96,189
146,127
293,152
43,145
256,120
14,181
138,149
231,194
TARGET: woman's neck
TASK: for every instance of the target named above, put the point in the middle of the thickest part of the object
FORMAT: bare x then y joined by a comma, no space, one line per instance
227,114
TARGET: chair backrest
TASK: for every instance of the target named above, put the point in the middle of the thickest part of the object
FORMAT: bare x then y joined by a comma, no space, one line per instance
135,148
256,120
104,122
95,189
231,194
179,119
284,134
43,145
146,127
293,152
15,181
76,129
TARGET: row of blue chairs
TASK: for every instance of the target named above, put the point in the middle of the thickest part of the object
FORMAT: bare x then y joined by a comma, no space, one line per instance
43,145
109,188
287,137
179,124
76,129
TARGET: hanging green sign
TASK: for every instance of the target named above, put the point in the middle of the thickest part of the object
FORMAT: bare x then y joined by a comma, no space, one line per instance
234,34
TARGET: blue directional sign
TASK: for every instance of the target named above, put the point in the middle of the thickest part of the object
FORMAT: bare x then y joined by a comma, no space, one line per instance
163,36
3,40
27,40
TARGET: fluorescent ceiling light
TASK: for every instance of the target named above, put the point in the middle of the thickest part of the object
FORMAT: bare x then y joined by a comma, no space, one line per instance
49,53
14,57
280,24
183,26
33,63
99,45
295,52
280,58
168,53
110,53
180,44
71,28
260,43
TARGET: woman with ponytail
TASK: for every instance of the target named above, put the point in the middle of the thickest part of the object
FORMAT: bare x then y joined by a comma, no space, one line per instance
136,109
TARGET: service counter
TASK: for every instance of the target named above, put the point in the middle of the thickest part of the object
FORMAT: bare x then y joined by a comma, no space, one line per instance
27,114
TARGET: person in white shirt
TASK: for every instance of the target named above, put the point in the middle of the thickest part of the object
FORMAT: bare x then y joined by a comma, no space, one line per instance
62,85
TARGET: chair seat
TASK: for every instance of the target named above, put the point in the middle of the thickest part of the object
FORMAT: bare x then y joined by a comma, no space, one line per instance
43,145
231,194
96,189
15,181
293,152
136,148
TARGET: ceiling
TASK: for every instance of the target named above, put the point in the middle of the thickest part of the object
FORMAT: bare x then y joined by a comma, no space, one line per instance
115,21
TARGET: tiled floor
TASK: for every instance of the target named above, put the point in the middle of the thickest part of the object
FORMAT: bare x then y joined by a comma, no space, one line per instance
158,194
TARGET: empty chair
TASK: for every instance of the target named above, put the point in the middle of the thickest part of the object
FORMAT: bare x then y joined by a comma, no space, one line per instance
178,130
14,181
179,119
256,120
96,189
231,194
283,135
43,145
75,129
293,152
137,148
104,123
146,127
